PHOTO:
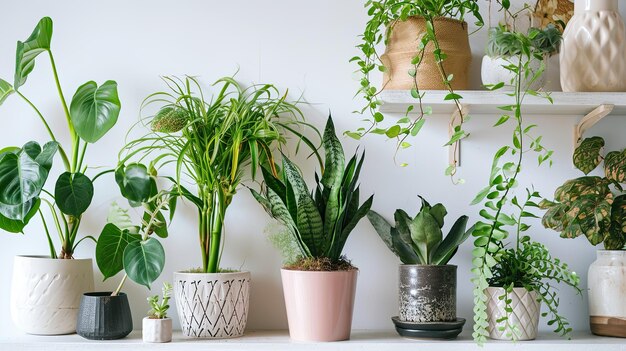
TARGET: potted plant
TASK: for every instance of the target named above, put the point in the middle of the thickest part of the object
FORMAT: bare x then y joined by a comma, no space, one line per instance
503,49
318,282
427,283
46,290
595,207
213,143
157,326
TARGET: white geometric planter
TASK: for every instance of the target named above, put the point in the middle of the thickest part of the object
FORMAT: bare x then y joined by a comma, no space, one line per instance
212,305
525,315
493,72
156,330
45,293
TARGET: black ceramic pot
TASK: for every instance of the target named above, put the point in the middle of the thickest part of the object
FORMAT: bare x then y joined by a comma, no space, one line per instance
427,293
104,317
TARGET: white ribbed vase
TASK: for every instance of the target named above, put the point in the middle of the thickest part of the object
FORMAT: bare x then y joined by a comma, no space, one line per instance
525,314
46,292
593,48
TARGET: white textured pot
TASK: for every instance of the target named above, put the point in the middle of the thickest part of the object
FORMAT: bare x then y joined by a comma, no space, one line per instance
593,48
156,330
492,72
525,315
607,293
46,292
212,305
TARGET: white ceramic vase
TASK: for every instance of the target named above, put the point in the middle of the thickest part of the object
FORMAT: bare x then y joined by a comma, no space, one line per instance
156,330
492,72
46,293
593,48
212,305
525,315
607,293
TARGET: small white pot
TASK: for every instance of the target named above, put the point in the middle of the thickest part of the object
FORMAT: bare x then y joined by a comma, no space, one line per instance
607,293
212,305
46,293
156,330
493,72
525,315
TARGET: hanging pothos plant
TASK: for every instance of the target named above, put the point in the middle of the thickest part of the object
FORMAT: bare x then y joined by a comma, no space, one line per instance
383,14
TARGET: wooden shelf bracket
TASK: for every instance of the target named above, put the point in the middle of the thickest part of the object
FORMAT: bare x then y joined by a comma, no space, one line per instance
454,150
589,120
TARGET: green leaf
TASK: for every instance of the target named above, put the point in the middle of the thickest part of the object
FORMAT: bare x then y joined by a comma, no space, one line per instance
587,155
589,215
393,131
426,235
616,237
94,109
575,188
615,166
110,249
17,226
159,225
417,127
144,261
135,182
73,193
27,51
121,219
335,159
5,90
448,247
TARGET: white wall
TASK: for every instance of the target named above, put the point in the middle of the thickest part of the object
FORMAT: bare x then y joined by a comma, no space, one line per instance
300,45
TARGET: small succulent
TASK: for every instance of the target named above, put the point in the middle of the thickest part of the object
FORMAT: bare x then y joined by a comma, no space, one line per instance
158,310
503,42
169,120
419,240
587,205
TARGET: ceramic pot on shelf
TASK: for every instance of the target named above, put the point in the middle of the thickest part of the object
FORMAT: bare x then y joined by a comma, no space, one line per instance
104,317
493,72
156,330
593,48
607,293
525,314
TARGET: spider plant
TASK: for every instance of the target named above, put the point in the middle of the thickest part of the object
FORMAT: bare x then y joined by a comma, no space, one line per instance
213,143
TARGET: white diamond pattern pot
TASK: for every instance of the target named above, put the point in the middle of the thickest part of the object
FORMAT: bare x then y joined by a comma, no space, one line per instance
525,313
156,330
607,293
212,305
593,48
46,292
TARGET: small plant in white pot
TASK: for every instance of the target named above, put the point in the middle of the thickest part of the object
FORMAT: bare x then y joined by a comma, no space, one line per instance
427,283
157,326
318,282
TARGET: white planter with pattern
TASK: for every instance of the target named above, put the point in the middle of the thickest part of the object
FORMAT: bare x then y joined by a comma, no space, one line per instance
212,305
525,315
46,292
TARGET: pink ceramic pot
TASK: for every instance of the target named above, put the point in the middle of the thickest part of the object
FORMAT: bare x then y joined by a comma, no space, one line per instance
319,304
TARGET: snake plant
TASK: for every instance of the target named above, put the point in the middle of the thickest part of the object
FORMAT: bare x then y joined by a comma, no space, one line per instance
318,221
419,240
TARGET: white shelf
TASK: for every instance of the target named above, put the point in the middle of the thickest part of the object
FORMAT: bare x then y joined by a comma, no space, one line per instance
487,102
279,340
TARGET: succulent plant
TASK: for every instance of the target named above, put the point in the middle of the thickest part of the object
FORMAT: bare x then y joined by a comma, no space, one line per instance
587,205
503,42
419,240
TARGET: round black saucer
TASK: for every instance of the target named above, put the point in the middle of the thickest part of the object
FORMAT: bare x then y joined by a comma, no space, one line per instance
439,330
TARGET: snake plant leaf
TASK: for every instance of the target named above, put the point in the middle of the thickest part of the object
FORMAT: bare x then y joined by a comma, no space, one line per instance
144,261
403,221
616,237
426,235
382,227
439,212
334,157
120,217
17,226
5,90
390,237
575,188
450,244
73,193
273,182
615,166
590,216
344,233
110,248
94,110
587,155
135,183
27,51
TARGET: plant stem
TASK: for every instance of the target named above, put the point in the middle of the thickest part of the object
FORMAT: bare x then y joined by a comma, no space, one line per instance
217,216
119,287
101,174
53,253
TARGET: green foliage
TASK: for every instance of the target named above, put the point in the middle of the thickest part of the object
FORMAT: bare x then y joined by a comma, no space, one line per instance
587,205
319,221
93,112
158,309
383,15
419,240
213,141
503,42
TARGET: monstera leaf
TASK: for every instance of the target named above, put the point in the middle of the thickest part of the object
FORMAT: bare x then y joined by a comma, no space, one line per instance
587,155
73,193
27,51
616,237
575,188
590,216
94,109
110,249
135,183
5,90
615,166
144,261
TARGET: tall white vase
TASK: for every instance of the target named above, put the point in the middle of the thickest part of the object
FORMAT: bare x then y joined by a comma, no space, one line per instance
607,293
593,53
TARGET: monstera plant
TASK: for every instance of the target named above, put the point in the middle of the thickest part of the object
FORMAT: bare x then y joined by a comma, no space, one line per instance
90,114
592,206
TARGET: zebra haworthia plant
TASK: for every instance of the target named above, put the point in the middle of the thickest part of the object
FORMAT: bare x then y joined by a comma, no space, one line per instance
587,205
419,240
318,222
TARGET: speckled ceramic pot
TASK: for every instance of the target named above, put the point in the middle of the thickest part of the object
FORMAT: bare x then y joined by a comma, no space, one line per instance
607,293
427,293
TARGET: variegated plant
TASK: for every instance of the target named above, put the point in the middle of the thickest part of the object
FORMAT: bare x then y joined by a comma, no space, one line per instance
592,206
319,221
